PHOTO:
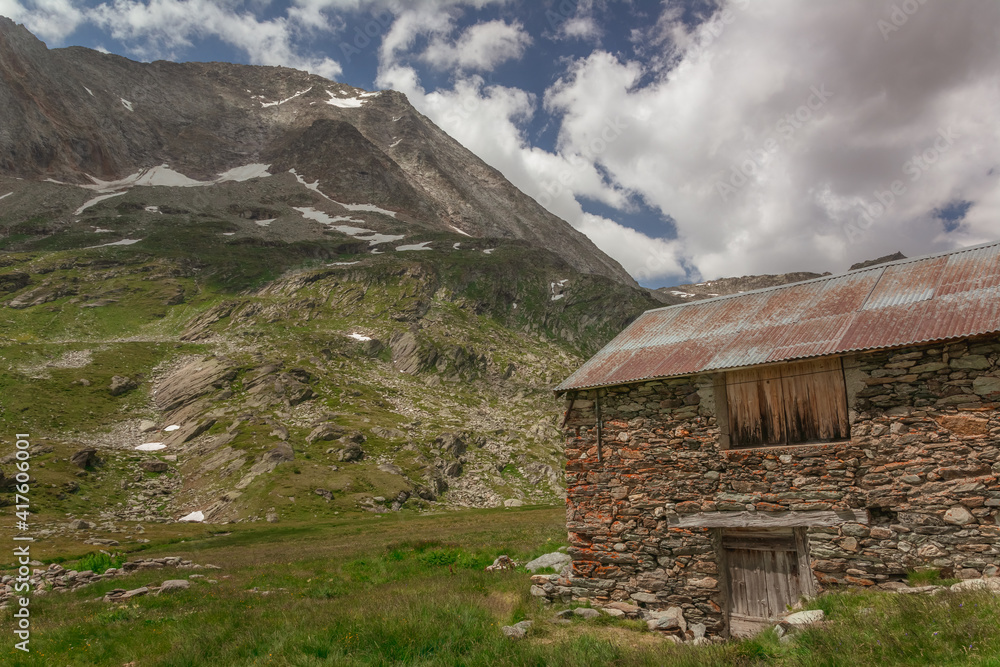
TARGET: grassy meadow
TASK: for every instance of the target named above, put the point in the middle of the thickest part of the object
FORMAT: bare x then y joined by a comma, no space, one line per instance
410,590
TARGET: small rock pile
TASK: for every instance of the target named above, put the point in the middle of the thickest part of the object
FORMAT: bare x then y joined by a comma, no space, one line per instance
674,626
122,595
56,578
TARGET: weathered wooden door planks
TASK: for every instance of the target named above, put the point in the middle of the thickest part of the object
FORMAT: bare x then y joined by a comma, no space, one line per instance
764,579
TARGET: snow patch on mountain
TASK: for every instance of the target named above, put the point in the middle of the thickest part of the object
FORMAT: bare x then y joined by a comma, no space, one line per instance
244,173
327,219
359,233
368,208
344,102
287,99
96,200
122,242
163,175
415,246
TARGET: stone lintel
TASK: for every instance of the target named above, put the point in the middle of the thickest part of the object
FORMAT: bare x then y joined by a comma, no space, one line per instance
819,519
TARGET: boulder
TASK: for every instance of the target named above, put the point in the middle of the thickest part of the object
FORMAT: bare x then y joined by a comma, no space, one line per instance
426,493
400,500
356,437
280,454
584,612
516,631
145,426
85,458
171,585
555,560
154,466
670,619
134,593
388,433
79,524
451,443
121,385
453,469
666,623
991,584
512,502
352,452
810,617
624,607
326,431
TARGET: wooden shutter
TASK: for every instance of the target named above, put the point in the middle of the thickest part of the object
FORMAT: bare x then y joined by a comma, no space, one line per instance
756,407
790,403
815,401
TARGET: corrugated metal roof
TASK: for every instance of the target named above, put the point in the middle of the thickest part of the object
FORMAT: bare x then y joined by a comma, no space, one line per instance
922,299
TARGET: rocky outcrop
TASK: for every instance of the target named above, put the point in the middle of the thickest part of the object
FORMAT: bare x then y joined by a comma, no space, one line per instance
85,458
122,385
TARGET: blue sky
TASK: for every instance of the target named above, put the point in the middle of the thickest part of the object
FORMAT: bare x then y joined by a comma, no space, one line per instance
690,139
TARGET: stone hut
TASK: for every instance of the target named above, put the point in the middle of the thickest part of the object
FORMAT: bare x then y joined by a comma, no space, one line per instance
727,456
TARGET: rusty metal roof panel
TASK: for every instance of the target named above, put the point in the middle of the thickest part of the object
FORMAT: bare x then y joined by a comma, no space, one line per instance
906,283
813,337
973,269
937,297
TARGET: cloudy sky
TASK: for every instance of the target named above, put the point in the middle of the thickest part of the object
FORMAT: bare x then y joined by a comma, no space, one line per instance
690,139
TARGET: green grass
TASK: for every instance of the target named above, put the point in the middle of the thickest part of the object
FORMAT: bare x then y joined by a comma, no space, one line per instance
410,590
891,629
928,577
99,562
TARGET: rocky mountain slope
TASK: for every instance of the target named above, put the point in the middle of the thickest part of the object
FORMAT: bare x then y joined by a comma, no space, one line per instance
102,121
236,293
725,286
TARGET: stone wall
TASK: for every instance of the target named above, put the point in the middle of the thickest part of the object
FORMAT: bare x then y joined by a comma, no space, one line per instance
923,460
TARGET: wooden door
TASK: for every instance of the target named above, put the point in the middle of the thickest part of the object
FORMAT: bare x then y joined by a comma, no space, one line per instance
765,578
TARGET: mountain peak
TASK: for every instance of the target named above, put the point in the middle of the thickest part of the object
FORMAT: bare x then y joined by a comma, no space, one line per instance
75,115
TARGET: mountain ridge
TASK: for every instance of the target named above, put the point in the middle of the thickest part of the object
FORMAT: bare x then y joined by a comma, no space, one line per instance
77,114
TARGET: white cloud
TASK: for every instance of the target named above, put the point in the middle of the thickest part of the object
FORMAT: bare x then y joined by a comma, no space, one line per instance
50,20
581,28
821,111
482,46
645,258
487,120
163,28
